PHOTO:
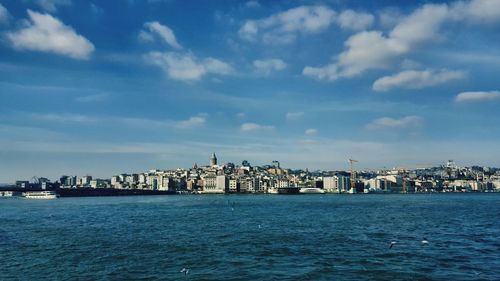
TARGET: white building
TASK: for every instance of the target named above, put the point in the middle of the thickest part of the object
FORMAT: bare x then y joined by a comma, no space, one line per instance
258,185
84,181
281,183
336,184
152,181
164,182
211,184
233,185
222,183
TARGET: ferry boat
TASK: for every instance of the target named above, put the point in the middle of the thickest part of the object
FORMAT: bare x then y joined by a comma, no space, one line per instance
288,190
272,190
311,190
40,195
6,194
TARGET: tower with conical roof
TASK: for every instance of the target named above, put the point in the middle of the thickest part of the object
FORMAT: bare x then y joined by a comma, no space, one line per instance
213,160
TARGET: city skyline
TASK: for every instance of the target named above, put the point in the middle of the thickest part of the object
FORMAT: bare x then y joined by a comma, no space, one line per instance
100,88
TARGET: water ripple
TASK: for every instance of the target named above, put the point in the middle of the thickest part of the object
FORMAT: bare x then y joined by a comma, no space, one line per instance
261,238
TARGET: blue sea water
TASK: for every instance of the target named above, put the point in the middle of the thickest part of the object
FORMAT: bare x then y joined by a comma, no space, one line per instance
252,237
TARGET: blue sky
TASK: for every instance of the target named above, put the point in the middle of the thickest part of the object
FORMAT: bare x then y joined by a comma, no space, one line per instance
107,87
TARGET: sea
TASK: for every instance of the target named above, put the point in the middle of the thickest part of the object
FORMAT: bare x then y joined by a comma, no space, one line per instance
252,237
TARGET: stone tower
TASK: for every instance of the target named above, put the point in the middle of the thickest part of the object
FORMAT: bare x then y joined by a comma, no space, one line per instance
213,160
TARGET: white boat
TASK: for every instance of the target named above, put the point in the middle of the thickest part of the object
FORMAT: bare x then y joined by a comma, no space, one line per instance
272,190
6,194
312,190
40,195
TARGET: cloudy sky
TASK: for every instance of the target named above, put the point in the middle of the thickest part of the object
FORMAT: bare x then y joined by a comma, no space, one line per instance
107,87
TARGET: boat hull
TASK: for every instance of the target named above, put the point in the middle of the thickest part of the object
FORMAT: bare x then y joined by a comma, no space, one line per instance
288,190
312,191
41,195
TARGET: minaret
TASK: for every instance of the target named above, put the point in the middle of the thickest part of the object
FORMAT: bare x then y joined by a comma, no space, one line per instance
213,160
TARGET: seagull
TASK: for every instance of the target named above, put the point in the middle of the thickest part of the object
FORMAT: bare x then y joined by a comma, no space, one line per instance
424,241
392,244
185,271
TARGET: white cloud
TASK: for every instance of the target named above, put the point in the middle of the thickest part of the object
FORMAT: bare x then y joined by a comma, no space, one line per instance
186,66
352,20
194,121
252,4
487,11
389,17
21,133
63,117
328,72
478,96
251,127
413,79
45,33
369,50
163,31
422,25
249,31
96,9
365,50
410,64
4,14
269,65
311,132
146,36
92,98
394,123
283,27
51,5
374,50
294,115
212,65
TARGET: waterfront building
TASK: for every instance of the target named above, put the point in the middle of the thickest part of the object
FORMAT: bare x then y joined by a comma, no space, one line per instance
99,183
336,184
247,185
132,179
63,180
142,178
72,181
281,183
165,182
234,186
123,177
329,185
232,178
222,183
496,184
115,180
395,180
191,184
210,184
23,184
152,181
84,181
258,185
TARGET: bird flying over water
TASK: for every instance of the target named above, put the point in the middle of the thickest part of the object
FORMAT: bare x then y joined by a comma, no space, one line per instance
392,244
424,241
185,271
